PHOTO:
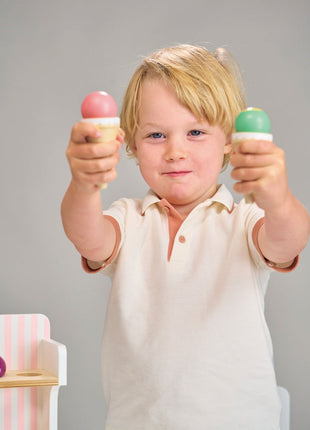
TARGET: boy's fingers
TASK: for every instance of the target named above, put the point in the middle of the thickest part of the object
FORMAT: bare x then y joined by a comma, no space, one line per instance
96,165
121,135
256,147
247,174
251,160
82,130
89,151
98,178
245,187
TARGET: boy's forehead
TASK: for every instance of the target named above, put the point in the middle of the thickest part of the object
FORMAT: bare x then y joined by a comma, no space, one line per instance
160,99
153,84
156,95
157,104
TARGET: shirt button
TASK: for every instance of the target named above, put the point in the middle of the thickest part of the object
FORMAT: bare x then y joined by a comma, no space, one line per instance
182,239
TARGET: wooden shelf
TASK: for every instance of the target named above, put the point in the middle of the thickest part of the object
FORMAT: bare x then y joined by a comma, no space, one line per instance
27,378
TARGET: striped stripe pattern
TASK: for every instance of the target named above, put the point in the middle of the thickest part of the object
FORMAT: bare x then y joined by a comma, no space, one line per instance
19,339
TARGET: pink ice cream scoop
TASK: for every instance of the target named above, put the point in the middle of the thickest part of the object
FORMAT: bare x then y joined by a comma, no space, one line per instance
100,109
99,104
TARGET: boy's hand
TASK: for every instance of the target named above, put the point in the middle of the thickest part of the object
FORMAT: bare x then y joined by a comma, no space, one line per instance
259,169
92,164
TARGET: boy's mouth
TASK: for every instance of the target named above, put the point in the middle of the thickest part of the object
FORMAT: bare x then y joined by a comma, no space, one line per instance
177,173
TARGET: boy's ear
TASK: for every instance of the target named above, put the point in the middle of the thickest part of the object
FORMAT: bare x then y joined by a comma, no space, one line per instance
228,146
134,149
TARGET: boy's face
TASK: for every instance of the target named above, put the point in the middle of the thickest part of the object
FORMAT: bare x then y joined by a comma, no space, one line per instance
180,157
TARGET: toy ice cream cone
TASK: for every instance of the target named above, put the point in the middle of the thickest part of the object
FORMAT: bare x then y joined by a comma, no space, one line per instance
252,123
100,109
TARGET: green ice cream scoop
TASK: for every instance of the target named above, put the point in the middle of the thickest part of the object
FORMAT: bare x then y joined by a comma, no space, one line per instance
253,120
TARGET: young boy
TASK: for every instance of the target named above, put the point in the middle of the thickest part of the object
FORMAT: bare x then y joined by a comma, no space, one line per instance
185,344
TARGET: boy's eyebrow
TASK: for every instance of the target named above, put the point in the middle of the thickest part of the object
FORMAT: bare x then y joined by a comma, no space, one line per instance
190,124
152,124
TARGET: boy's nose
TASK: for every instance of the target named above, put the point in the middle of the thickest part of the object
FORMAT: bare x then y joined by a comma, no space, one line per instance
175,151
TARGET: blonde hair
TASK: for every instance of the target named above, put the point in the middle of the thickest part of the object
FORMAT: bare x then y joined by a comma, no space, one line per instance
209,85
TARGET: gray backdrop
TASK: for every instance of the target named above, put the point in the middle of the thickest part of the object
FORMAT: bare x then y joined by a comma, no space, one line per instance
53,53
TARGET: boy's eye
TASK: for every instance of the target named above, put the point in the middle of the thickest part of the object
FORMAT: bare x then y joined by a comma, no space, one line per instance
195,132
156,135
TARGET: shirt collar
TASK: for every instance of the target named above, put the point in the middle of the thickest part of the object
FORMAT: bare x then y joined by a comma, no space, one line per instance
222,196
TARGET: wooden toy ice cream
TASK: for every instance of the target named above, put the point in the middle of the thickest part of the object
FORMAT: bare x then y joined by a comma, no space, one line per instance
252,123
100,109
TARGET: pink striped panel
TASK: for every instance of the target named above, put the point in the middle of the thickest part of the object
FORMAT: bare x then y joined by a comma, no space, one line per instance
7,358
19,348
21,365
34,365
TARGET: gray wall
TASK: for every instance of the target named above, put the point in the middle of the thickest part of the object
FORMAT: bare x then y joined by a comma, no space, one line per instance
53,53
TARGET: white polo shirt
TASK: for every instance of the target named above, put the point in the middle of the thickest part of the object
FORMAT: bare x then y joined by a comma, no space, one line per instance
186,345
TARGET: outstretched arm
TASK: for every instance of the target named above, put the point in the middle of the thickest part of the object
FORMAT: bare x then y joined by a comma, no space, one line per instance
91,164
259,168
